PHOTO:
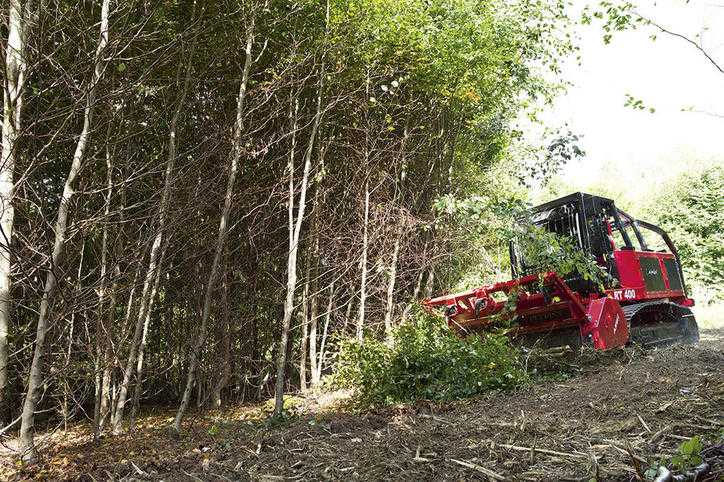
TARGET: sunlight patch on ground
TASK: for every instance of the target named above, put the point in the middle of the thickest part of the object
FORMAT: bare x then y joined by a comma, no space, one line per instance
710,316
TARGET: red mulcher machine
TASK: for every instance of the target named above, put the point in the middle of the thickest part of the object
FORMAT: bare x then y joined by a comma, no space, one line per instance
645,301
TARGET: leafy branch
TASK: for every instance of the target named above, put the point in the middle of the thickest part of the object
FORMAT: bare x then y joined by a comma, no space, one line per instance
618,17
543,250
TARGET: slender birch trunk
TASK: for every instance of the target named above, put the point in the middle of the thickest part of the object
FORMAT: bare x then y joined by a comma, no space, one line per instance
294,122
313,266
101,339
138,388
65,412
131,304
313,324
305,337
223,229
14,76
348,313
317,355
312,335
168,184
391,286
117,418
109,398
292,256
129,314
314,284
225,340
430,283
363,265
154,261
365,234
210,285
317,367
107,361
35,377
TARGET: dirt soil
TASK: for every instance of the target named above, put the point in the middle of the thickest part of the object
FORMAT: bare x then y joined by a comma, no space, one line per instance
607,417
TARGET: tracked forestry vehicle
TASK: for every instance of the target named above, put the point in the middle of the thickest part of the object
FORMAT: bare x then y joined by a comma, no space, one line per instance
644,301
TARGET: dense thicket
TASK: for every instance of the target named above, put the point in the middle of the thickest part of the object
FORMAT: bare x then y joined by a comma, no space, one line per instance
204,190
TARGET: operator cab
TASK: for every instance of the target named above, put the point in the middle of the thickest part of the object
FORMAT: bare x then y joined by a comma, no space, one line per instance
640,258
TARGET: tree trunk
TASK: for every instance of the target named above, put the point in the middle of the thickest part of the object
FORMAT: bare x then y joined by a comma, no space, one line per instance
314,285
313,315
127,317
294,121
102,342
225,340
109,357
348,313
35,377
317,368
71,330
365,234
305,337
138,388
15,67
213,277
313,323
172,154
117,419
223,228
154,261
391,287
430,283
131,304
363,265
292,256
108,364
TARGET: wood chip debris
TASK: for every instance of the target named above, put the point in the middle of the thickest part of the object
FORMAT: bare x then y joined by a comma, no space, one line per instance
489,473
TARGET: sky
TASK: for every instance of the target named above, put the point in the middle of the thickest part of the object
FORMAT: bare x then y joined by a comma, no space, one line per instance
629,146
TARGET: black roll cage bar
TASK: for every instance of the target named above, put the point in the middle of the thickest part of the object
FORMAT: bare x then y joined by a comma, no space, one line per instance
620,218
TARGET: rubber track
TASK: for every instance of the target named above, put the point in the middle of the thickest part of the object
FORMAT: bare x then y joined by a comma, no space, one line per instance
629,311
675,310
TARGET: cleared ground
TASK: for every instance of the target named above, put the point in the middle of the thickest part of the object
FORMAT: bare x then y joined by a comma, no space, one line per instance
608,416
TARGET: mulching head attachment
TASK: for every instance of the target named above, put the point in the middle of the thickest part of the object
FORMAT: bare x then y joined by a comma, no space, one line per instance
535,309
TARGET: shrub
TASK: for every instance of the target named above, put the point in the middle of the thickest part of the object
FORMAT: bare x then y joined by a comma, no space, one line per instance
425,360
689,454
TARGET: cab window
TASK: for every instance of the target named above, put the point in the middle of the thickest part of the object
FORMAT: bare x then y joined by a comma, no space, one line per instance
653,240
618,238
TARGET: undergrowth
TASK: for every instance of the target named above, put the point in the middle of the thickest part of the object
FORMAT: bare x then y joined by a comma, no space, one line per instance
424,360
